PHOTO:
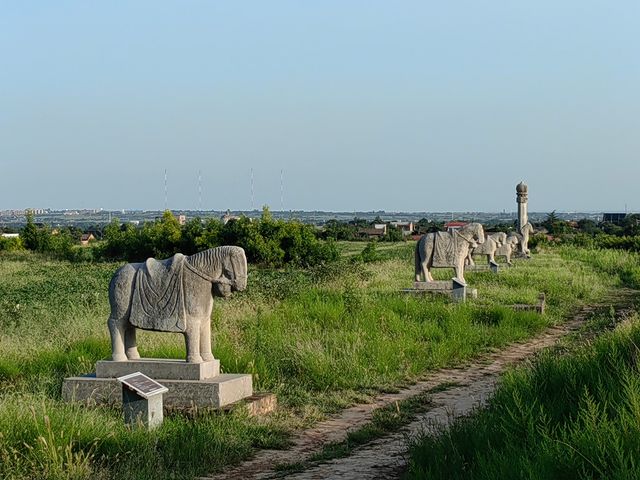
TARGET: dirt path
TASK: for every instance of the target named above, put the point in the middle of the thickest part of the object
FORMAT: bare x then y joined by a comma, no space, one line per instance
384,457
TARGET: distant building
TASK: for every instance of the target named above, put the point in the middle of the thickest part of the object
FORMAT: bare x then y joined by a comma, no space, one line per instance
9,235
372,233
182,219
406,227
86,238
227,217
616,218
381,226
453,226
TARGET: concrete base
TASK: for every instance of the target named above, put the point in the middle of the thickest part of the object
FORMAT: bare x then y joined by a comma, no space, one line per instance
167,369
491,267
539,308
454,287
435,286
215,392
256,405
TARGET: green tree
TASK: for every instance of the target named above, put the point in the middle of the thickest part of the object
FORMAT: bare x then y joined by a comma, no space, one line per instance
427,226
555,225
337,230
29,233
393,234
631,225
35,238
191,233
588,226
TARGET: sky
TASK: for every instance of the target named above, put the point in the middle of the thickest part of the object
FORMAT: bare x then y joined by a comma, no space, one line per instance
356,105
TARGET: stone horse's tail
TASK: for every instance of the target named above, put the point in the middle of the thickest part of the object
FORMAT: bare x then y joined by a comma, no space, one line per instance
417,259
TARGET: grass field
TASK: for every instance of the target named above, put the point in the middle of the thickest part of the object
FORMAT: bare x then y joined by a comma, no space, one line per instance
569,416
574,414
320,339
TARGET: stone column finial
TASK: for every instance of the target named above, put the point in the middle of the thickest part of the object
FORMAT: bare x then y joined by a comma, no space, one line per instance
522,197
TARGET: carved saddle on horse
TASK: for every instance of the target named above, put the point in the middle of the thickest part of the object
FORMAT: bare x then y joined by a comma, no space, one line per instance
445,248
158,301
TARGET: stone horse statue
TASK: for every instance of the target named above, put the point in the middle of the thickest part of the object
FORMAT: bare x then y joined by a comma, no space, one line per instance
491,244
173,295
523,237
446,250
509,246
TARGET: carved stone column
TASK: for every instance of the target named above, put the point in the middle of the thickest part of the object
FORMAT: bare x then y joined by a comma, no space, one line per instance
522,197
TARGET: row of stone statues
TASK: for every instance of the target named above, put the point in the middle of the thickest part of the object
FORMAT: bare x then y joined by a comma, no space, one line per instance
175,295
456,249
500,244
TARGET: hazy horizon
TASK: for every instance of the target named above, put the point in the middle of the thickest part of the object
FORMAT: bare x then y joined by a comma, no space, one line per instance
365,105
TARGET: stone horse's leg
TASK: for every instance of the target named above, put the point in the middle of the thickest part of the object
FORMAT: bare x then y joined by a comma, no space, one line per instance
459,266
205,339
130,343
192,341
492,254
426,251
418,259
428,259
120,290
469,258
422,258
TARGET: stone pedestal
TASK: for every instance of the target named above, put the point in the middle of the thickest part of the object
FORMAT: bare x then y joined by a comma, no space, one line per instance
491,267
454,287
168,369
539,307
189,385
215,392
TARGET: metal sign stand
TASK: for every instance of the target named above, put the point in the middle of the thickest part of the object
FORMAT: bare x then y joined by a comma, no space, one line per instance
142,400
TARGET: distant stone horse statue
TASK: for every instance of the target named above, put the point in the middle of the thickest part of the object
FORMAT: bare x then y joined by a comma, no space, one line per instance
507,249
491,244
446,250
173,295
523,237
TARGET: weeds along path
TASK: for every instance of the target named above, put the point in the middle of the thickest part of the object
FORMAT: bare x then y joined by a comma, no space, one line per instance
455,392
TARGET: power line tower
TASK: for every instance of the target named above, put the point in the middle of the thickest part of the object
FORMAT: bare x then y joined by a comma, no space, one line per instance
252,205
282,190
199,190
166,190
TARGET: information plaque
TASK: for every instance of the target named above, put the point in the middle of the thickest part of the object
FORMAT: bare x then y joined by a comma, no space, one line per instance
141,384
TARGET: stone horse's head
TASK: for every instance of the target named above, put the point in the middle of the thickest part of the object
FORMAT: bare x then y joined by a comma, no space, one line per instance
232,272
500,238
527,229
473,233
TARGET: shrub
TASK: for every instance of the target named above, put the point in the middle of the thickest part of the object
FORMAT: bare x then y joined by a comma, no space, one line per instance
369,253
269,242
11,244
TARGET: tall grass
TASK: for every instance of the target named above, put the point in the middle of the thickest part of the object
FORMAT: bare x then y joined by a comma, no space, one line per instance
320,339
625,265
567,416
